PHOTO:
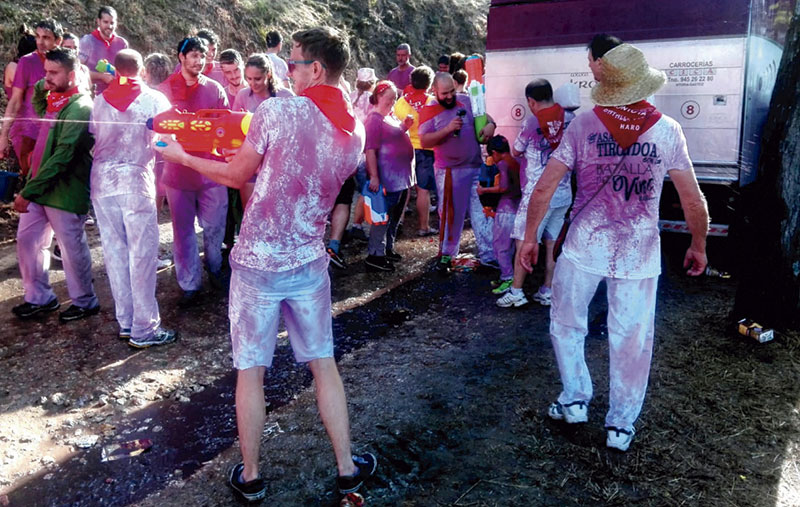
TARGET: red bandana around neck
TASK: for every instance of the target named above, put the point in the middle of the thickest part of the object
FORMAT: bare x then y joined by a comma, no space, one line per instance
433,109
99,37
330,100
122,92
627,123
417,99
179,89
57,100
551,123
209,68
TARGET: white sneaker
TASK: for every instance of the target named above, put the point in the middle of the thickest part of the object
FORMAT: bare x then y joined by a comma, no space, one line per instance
575,412
164,263
509,300
619,438
543,298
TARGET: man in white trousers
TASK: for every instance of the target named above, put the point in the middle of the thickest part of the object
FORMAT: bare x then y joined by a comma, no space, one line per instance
123,187
621,152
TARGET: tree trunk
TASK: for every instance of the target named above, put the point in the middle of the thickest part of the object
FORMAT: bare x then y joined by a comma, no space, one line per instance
768,226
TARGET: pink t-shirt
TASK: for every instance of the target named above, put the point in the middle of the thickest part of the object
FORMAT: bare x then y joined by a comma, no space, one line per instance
401,77
617,235
92,50
306,161
128,171
209,95
455,152
246,100
30,69
394,151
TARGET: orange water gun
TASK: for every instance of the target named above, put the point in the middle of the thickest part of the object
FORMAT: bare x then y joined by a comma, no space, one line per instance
207,130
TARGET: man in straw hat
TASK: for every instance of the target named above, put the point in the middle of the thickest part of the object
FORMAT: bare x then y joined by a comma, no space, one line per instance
620,152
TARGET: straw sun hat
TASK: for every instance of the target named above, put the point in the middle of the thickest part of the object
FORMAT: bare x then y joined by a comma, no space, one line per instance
627,78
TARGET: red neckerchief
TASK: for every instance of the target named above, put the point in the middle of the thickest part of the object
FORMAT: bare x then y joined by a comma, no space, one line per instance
627,123
551,123
99,37
122,92
417,99
179,89
41,56
209,68
432,110
331,101
57,100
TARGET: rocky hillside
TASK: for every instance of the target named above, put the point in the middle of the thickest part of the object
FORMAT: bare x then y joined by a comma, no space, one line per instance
376,27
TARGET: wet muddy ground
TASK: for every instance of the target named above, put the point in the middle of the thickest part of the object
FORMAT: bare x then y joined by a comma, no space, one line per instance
446,389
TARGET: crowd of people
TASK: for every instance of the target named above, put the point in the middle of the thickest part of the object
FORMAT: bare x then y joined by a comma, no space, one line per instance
76,121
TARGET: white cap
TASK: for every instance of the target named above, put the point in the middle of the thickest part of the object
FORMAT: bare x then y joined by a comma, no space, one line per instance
366,74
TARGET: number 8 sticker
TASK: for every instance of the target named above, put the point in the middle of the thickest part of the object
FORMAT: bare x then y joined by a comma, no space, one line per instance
518,112
690,109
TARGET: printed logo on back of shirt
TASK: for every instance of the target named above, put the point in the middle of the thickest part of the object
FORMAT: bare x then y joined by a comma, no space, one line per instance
632,178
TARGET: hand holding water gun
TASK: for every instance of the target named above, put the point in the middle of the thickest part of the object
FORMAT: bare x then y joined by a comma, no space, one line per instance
207,130
104,66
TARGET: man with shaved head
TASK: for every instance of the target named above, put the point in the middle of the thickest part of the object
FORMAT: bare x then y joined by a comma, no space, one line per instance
448,127
123,187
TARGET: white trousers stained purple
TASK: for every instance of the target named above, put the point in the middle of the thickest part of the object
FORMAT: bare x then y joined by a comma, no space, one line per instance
34,236
631,318
503,244
210,206
129,232
465,196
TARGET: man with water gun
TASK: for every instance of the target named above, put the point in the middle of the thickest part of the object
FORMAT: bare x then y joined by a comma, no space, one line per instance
99,48
302,149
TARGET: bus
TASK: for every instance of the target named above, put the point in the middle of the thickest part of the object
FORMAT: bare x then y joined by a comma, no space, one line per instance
721,59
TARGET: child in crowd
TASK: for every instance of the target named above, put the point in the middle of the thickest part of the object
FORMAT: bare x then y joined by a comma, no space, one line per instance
508,186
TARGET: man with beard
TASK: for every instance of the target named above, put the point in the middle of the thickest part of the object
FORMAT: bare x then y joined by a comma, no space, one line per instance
56,199
102,44
302,149
447,126
190,194
232,65
30,69
401,75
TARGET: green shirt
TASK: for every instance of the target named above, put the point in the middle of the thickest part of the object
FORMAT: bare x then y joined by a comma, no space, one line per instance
62,180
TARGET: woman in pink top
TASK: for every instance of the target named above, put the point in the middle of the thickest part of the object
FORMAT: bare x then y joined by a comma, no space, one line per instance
262,86
389,154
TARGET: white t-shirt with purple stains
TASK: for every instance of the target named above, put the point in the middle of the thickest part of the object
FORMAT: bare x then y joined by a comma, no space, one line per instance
537,152
616,235
130,170
306,161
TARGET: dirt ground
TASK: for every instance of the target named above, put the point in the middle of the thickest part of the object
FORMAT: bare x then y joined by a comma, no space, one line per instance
446,389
